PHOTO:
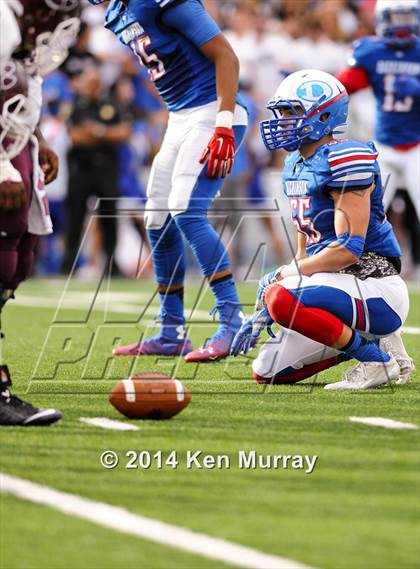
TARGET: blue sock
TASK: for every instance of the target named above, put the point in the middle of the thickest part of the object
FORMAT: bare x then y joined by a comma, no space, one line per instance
227,303
224,290
207,245
169,266
364,350
172,315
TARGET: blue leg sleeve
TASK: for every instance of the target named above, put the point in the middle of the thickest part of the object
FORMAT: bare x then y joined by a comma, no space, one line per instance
204,240
168,253
169,265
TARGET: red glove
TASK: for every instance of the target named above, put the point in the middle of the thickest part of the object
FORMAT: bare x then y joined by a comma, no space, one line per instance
220,153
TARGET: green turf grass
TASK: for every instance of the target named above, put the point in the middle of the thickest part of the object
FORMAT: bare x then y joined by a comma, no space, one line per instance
359,508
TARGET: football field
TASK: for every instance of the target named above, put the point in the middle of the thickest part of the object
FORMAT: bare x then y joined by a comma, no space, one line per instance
358,508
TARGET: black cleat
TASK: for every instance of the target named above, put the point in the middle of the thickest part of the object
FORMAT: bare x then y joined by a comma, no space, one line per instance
15,412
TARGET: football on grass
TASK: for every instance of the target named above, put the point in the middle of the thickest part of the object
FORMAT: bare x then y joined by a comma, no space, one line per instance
149,396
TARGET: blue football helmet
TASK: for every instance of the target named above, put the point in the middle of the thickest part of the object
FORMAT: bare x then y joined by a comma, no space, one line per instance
96,2
298,105
398,21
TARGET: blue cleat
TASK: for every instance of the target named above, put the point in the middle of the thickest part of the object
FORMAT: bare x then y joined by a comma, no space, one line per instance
171,341
218,346
157,346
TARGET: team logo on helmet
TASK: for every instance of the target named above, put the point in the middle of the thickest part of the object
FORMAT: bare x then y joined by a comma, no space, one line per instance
312,91
297,106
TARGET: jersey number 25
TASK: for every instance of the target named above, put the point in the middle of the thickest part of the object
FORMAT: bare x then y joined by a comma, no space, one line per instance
150,60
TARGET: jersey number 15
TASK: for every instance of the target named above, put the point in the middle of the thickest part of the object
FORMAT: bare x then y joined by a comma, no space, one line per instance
154,65
391,104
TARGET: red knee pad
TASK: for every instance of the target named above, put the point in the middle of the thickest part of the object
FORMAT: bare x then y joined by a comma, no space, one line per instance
314,323
299,374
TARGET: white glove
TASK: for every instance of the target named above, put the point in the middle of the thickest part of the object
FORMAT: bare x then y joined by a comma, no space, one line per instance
8,172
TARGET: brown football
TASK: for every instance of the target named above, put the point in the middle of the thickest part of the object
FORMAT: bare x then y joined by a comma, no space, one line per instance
149,396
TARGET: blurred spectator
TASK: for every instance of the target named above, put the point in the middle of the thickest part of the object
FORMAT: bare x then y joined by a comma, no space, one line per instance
134,155
105,46
55,133
96,128
243,196
80,57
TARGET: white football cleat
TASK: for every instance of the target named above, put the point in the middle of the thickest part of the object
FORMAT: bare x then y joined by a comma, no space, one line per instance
394,345
365,375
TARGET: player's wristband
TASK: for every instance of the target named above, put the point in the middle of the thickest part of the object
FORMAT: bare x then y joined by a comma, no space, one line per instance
353,243
224,119
8,172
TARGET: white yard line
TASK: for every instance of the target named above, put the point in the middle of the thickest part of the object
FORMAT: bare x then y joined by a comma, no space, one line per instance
124,521
99,305
410,329
105,423
82,302
383,422
79,304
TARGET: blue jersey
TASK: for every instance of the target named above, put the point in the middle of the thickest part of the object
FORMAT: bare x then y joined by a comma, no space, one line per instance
341,165
398,118
166,36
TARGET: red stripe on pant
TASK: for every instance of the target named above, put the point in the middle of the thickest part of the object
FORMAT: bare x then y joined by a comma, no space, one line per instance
299,374
360,325
314,323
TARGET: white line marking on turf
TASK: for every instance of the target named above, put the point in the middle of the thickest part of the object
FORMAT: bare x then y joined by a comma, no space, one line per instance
147,528
76,303
105,423
382,422
411,329
99,305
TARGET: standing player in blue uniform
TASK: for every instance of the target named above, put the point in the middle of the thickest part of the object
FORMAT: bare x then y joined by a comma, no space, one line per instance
342,292
390,64
196,73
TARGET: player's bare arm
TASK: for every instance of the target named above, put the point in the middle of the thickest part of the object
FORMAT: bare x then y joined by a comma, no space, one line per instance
48,159
220,151
226,63
301,246
351,216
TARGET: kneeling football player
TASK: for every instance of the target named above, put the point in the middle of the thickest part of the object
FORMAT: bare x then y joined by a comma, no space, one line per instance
342,296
